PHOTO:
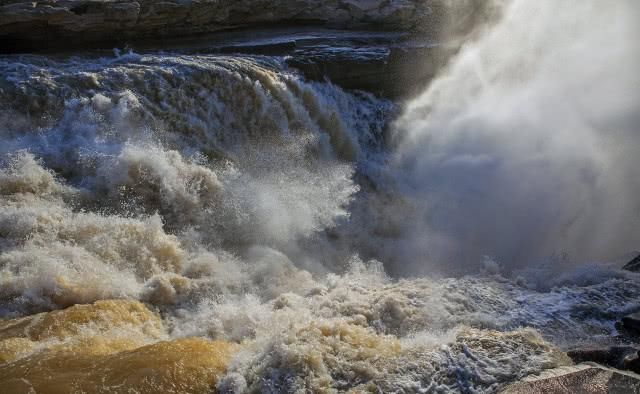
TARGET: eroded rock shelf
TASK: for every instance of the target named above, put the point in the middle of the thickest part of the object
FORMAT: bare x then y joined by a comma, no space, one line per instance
47,24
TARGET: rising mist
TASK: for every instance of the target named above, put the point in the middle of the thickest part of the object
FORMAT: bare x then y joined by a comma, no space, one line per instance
526,147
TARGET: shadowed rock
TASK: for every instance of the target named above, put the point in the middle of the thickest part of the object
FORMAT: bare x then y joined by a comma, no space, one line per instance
393,72
631,323
396,64
633,265
61,24
620,357
42,24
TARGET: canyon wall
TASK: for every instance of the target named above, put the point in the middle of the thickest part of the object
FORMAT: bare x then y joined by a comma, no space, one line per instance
30,25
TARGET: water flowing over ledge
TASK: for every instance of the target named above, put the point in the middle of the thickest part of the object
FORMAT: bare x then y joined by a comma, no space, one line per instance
217,217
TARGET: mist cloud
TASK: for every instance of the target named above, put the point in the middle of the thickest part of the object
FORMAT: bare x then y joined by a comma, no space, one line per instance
527,146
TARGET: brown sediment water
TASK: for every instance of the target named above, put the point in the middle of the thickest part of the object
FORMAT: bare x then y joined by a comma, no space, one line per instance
106,347
199,222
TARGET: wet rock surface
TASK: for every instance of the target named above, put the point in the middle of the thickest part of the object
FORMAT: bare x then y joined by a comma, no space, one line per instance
394,71
393,65
583,378
389,64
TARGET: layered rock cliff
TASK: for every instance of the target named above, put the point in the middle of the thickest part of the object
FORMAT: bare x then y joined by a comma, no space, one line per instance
55,23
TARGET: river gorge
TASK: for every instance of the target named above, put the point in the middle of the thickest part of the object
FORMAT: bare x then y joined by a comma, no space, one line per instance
299,196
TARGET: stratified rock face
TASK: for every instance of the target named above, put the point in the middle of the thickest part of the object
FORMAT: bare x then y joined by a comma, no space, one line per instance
583,378
42,23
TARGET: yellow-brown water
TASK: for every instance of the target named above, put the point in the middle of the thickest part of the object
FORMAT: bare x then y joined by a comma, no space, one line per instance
184,222
112,346
104,302
121,346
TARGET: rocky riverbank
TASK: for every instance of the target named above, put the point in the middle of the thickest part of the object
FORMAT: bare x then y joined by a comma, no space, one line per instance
38,25
390,48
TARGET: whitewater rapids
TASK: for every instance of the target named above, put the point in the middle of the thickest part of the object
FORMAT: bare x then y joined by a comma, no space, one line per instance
176,222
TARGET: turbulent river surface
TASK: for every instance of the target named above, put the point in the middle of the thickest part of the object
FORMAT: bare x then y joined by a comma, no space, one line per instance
182,222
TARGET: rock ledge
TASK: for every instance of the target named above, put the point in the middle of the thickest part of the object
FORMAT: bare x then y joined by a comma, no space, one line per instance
60,23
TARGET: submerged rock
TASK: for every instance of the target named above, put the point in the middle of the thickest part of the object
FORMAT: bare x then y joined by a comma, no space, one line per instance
583,378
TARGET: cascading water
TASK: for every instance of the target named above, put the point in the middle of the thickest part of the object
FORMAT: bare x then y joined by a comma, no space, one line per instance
218,208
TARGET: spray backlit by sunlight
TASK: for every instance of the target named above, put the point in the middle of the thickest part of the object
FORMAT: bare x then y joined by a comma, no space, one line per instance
176,222
526,146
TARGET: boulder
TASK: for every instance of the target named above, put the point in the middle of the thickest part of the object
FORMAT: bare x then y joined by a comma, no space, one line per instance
588,378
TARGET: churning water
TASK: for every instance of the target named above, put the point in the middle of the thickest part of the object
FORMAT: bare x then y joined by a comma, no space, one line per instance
241,228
